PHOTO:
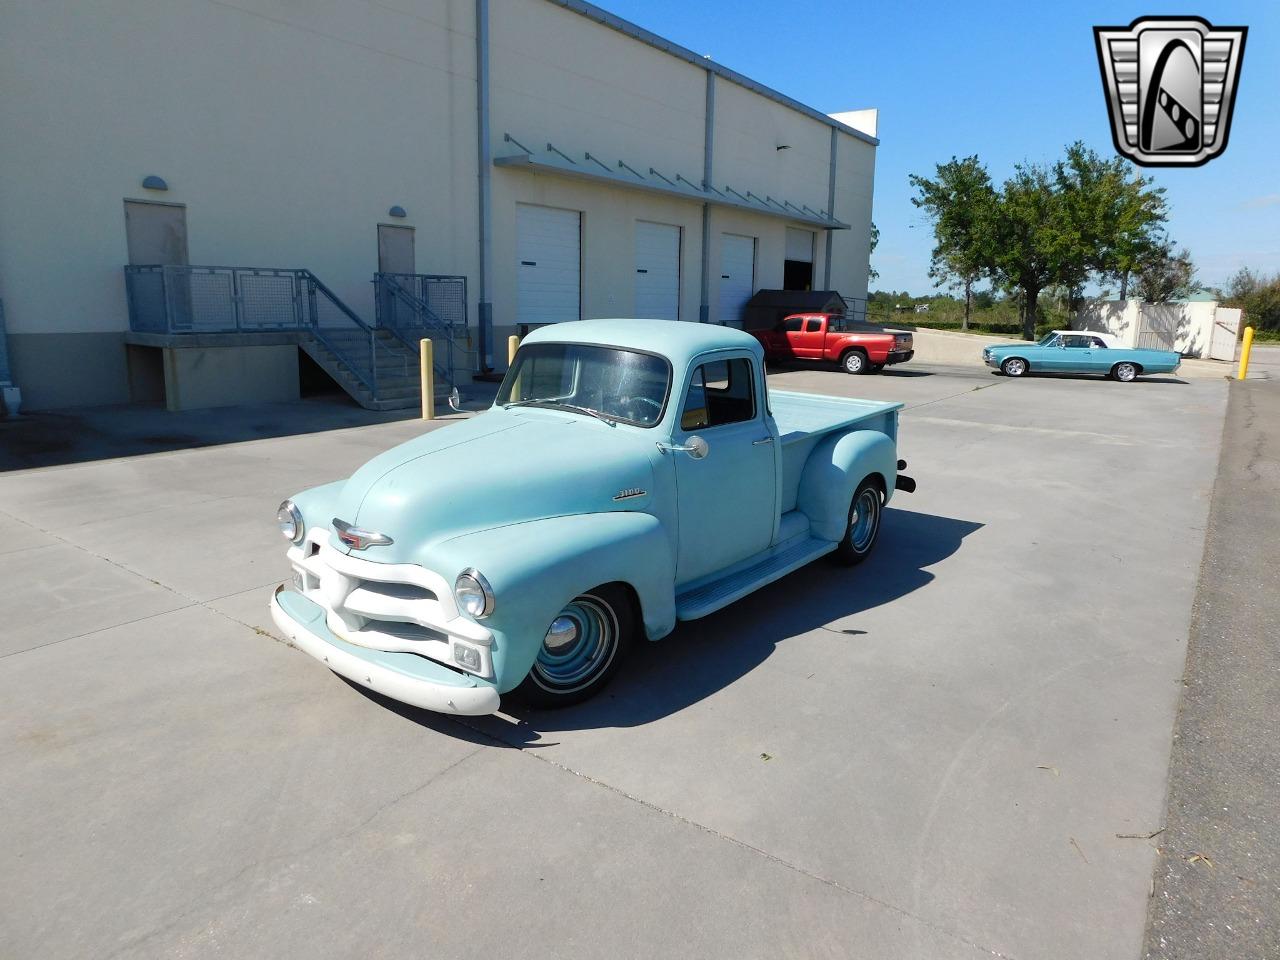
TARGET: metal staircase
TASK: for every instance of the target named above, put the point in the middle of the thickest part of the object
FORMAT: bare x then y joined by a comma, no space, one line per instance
376,365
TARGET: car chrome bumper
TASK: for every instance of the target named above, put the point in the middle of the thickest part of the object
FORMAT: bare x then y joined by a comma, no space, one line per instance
401,676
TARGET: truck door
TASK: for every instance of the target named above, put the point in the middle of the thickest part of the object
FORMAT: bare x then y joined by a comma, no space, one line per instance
726,501
814,340
791,338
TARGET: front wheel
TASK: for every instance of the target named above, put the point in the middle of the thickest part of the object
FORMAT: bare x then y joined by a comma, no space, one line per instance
863,527
1124,372
855,362
1014,367
582,649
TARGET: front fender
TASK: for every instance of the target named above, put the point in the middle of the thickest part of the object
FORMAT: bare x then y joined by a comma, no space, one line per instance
535,568
834,469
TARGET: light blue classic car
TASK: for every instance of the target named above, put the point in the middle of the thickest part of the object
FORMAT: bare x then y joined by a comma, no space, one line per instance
631,473
1077,351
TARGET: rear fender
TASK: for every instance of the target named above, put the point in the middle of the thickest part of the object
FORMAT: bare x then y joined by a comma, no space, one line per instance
833,471
535,568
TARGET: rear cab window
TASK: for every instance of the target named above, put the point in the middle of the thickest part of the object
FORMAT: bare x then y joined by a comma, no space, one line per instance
720,392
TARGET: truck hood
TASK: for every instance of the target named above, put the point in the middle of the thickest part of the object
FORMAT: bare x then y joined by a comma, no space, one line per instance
492,470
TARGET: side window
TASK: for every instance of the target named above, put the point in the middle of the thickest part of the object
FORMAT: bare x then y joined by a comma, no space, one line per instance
719,393
1076,342
793,324
1098,344
813,326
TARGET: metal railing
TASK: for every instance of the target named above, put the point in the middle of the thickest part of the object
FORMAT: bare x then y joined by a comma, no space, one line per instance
414,306
181,299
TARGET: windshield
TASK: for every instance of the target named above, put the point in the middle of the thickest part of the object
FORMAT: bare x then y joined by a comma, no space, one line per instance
607,382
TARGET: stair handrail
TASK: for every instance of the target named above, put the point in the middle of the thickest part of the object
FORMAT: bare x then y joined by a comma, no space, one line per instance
443,360
348,361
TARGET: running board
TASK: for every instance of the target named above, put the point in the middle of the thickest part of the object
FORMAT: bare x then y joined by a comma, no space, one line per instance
713,596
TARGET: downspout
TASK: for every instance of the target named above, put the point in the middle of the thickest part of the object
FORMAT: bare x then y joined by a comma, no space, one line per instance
708,139
10,395
485,160
831,212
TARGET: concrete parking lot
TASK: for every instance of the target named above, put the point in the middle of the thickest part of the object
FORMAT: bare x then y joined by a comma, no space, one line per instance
928,756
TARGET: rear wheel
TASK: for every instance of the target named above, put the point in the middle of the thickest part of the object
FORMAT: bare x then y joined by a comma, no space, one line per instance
582,649
863,527
1124,372
855,362
1014,367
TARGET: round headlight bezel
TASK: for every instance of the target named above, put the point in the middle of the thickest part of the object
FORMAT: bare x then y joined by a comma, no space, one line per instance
477,586
289,519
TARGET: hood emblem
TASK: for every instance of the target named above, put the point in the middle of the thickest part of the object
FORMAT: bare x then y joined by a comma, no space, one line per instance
358,539
630,493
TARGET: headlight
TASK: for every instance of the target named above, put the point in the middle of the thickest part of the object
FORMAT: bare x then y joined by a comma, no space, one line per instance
290,519
473,594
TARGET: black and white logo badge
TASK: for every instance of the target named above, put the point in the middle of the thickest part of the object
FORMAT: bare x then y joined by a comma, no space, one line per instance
1170,84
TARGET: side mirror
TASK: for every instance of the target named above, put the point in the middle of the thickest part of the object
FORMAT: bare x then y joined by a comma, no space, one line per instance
455,400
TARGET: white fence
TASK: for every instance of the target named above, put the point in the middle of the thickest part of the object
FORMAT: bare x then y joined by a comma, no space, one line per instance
1194,329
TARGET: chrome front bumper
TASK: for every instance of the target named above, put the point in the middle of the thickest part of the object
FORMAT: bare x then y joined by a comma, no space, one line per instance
405,677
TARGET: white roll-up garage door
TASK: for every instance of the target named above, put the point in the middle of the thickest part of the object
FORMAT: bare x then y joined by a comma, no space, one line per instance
549,255
657,271
800,245
737,276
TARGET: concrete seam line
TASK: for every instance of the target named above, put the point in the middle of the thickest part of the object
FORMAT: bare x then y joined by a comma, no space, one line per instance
679,818
191,601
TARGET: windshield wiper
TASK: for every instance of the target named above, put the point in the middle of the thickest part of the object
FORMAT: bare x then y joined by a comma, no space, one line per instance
561,405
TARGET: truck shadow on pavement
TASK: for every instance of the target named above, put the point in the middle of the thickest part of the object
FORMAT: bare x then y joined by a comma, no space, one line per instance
703,656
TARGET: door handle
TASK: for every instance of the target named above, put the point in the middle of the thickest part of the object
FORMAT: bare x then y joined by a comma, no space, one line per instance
756,443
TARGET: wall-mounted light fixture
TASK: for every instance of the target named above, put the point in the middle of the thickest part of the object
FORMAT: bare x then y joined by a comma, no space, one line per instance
152,182
398,212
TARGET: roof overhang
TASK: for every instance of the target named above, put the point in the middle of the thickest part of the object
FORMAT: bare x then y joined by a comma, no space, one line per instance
597,170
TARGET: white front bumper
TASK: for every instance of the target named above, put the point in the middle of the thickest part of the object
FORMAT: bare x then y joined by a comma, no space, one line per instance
443,698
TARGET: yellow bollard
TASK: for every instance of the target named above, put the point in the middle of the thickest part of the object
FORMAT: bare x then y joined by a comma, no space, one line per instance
426,371
513,344
1244,353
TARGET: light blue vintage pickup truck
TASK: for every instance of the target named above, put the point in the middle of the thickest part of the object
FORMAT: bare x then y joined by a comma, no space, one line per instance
630,474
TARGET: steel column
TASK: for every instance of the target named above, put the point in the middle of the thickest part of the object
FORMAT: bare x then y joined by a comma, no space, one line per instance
831,212
708,144
484,159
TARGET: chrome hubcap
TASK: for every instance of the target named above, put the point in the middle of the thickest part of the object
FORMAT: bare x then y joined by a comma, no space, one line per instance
579,646
1015,368
864,518
853,362
1124,372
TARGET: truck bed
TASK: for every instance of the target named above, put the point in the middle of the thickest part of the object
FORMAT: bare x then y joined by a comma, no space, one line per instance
804,419
801,415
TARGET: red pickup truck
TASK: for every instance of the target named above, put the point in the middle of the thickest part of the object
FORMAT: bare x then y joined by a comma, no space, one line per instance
822,336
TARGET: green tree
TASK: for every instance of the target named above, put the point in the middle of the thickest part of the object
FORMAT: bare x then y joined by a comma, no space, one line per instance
1115,216
872,272
959,202
1258,296
1168,275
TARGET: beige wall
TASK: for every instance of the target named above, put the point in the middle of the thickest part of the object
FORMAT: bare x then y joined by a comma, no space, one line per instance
288,130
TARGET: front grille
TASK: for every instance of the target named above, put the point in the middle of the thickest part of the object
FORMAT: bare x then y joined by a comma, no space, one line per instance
393,607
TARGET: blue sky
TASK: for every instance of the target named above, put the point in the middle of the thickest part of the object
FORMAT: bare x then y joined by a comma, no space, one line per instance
1007,81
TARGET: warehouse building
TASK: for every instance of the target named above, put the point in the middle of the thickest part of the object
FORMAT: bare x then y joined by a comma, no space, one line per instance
207,202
